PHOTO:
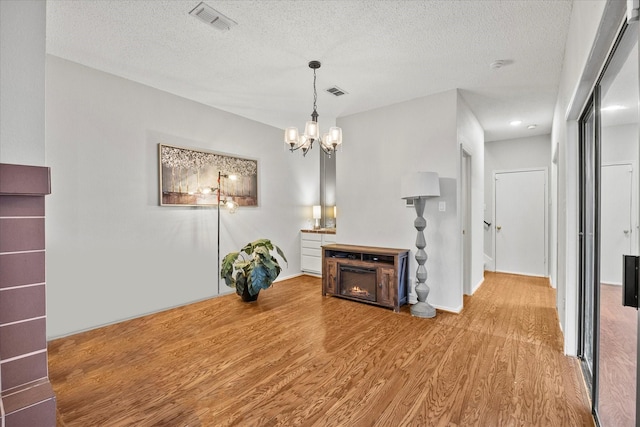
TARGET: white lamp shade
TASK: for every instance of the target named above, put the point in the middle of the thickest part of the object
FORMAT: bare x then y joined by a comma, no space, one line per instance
311,130
336,135
317,212
291,136
420,184
231,205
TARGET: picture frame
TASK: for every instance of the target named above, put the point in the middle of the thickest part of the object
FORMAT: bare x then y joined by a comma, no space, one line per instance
189,177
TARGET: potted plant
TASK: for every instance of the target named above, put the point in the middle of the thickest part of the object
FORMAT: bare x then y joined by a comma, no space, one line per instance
255,267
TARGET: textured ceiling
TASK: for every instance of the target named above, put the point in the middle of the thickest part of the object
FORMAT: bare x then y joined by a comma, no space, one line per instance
380,52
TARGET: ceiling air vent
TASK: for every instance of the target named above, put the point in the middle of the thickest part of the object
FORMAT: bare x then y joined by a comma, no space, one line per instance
209,15
335,90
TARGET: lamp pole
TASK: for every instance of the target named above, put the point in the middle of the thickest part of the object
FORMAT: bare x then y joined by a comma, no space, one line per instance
231,206
218,207
422,308
418,186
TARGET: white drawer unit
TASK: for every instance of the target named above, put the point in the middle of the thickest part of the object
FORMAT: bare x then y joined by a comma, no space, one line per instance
311,250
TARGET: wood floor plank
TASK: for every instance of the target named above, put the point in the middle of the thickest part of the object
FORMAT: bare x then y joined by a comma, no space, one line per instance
296,358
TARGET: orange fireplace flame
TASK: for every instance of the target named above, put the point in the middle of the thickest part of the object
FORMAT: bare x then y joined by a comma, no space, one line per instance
358,291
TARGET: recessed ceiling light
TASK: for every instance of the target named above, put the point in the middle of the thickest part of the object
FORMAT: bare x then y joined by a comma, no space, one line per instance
613,108
532,126
516,123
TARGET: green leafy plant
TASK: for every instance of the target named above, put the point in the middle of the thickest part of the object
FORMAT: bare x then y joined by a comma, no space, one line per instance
253,268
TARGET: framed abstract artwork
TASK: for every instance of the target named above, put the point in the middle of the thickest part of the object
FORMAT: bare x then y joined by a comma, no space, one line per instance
189,177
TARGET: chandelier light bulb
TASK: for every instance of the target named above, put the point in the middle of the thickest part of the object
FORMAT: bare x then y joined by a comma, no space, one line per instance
336,135
291,136
311,130
326,140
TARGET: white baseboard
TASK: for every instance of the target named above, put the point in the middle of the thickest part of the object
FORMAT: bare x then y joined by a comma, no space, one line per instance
475,288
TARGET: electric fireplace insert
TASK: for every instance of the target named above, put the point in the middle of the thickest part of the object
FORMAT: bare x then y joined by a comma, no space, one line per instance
358,282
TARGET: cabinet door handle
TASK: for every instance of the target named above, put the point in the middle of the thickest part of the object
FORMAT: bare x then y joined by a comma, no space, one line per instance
380,285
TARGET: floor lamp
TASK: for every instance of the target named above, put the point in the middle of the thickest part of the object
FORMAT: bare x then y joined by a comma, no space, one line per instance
418,186
231,205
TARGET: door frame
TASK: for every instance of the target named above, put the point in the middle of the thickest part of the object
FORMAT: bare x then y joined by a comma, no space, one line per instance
591,377
546,213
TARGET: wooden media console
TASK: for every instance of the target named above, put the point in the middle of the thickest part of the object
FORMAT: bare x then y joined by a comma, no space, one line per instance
368,274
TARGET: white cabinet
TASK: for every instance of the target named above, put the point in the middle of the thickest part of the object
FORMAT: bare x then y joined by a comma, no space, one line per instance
311,250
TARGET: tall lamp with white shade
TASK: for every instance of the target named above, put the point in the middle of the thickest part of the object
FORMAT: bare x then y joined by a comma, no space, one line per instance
419,186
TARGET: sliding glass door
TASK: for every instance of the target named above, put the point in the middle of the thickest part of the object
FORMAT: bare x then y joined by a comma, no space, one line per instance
618,190
609,158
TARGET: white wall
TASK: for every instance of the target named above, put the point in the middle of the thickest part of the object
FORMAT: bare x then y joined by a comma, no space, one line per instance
22,52
386,143
584,56
112,252
619,143
520,153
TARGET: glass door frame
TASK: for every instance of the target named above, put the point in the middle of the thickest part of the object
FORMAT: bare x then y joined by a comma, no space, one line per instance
592,106
591,375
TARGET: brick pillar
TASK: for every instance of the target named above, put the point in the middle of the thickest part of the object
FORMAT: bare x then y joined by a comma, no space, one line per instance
26,396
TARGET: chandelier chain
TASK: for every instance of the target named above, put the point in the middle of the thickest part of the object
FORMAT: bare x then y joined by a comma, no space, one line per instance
315,94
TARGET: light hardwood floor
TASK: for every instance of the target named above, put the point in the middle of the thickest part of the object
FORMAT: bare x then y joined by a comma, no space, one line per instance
618,358
298,358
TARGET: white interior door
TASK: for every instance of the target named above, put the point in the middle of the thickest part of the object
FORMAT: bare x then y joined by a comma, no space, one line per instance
616,232
520,232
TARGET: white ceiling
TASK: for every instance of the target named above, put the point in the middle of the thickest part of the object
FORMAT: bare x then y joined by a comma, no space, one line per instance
380,52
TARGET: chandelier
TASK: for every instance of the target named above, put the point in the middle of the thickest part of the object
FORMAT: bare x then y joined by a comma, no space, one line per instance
330,141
